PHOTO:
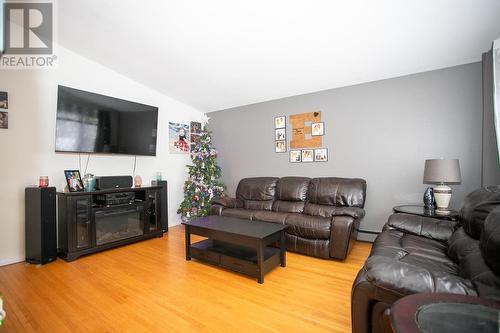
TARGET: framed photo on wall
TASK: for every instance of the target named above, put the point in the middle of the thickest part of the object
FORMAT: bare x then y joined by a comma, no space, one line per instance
4,100
73,180
280,122
321,155
318,129
307,155
280,146
295,156
280,134
4,120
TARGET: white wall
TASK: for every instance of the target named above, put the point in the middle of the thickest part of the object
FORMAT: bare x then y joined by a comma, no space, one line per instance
27,147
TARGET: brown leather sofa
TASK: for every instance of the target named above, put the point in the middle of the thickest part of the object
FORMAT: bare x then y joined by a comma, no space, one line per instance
415,254
323,214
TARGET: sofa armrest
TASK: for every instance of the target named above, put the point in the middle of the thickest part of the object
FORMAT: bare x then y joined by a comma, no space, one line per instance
342,235
428,227
227,202
354,212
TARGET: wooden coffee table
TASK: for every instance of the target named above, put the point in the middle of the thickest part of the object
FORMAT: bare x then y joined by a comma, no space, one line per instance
237,244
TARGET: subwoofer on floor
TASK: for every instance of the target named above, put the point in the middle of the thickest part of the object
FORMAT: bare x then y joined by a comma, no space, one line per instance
41,234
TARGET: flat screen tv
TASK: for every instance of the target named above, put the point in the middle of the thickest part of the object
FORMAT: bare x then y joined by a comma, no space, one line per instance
93,123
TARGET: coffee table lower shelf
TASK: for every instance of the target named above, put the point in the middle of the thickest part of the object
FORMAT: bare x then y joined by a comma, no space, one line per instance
237,258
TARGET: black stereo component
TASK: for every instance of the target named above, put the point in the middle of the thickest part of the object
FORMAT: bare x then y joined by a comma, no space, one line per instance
111,199
40,229
107,182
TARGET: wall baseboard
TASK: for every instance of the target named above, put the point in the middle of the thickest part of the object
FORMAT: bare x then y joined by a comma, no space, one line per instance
5,262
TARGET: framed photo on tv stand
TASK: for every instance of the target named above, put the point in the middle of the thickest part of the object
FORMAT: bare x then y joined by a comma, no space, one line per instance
73,180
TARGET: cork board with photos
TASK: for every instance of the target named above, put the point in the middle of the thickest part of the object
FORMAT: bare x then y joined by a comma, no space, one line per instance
302,130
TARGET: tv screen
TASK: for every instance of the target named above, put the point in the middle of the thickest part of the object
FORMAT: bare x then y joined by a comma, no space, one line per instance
93,123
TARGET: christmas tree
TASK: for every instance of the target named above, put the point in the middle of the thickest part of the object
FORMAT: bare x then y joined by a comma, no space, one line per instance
203,180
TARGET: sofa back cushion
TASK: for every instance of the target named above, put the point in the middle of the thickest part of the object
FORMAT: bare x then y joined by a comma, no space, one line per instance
292,188
291,194
476,207
333,191
257,193
490,241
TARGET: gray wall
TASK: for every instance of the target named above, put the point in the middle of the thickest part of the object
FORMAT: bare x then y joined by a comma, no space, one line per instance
490,165
381,131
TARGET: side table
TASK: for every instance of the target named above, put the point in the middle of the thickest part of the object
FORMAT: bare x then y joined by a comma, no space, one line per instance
451,215
444,313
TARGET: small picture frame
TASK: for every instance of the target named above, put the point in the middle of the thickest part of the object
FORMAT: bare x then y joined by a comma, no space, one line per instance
4,120
307,155
73,180
280,146
195,127
280,134
4,100
318,129
321,155
295,156
280,122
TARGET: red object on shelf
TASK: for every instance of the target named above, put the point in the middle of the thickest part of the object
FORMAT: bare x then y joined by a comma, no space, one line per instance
44,181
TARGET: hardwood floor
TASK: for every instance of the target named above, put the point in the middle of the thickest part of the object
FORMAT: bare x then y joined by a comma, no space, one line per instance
150,287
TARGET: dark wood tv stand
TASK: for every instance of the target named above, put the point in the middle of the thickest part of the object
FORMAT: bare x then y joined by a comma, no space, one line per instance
87,225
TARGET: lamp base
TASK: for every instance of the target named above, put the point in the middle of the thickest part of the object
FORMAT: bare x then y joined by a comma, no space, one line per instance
442,194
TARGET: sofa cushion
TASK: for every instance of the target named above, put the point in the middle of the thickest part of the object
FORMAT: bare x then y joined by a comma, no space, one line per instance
461,245
258,204
240,213
329,211
312,227
476,207
257,189
334,191
409,264
490,241
313,247
274,217
288,206
292,189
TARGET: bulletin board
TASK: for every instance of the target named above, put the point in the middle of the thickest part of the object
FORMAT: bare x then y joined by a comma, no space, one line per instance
301,130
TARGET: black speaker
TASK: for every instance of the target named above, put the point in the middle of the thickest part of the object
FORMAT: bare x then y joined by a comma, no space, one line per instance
108,182
40,228
164,207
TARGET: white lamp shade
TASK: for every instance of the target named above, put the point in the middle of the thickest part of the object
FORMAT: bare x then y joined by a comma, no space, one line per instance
442,171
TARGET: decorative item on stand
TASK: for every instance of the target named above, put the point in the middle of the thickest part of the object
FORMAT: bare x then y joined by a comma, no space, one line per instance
137,181
158,176
88,182
203,179
43,181
429,201
442,172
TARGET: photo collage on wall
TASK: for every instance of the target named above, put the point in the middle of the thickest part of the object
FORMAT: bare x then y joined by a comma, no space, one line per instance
306,142
280,134
4,105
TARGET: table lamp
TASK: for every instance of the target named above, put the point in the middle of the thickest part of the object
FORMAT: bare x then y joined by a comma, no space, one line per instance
441,173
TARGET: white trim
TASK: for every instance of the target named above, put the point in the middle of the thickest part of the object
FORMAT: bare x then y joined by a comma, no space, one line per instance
5,262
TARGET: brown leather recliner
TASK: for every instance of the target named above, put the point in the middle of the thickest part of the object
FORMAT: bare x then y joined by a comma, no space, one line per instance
416,254
323,214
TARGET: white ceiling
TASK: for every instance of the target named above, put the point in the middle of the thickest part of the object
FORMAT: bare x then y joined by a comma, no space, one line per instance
219,54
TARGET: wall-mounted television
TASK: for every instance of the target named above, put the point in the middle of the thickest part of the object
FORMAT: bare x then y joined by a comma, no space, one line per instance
91,123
